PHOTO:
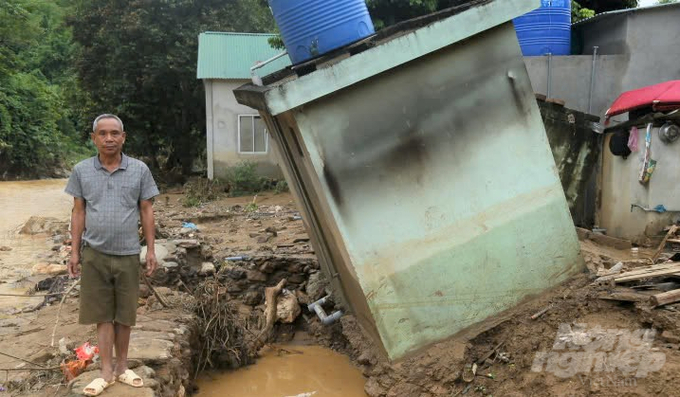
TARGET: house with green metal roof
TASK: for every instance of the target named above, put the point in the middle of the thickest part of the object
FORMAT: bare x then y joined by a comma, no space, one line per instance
235,133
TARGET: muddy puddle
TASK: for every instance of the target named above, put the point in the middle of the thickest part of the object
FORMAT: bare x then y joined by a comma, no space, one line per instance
308,371
18,202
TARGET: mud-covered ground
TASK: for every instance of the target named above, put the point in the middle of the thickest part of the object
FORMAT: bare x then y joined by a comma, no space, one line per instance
581,345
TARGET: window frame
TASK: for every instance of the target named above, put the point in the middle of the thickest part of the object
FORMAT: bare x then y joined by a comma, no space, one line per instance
252,121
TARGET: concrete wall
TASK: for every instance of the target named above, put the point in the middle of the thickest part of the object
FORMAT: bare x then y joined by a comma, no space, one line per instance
620,189
222,113
576,150
636,49
570,80
429,182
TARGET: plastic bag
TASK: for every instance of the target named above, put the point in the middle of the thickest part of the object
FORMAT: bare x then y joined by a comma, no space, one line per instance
87,352
72,368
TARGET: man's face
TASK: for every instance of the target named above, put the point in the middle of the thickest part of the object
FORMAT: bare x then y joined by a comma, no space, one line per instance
108,138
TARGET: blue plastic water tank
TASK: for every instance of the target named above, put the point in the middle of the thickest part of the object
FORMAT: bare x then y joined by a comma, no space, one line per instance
545,30
310,28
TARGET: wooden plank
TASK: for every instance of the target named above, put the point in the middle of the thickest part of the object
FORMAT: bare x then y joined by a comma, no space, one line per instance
663,272
665,298
624,296
648,269
670,233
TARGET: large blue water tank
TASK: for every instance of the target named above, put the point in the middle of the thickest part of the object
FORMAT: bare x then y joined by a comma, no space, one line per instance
310,28
546,29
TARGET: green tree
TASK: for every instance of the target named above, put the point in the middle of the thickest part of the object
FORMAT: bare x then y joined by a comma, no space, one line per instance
138,59
608,5
36,119
666,1
579,13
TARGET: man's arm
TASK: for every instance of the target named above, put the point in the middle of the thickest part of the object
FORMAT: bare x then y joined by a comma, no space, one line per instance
77,228
149,229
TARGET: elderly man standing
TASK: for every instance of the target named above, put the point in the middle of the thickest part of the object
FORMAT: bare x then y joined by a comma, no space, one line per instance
111,191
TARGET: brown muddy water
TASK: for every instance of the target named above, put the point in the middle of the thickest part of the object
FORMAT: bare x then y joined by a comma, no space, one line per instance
311,371
18,202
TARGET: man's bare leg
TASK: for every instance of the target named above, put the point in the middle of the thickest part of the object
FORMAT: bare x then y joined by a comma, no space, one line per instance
122,344
105,338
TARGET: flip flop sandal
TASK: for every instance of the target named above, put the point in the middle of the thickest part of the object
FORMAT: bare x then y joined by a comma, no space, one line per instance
130,378
97,386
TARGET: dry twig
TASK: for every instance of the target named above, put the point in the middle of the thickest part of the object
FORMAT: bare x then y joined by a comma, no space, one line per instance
20,359
61,304
155,293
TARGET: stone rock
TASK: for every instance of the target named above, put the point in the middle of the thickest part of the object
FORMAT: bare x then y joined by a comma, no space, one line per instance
404,390
296,278
207,268
373,388
42,357
150,350
252,298
267,267
49,269
287,307
272,231
40,225
253,235
670,337
161,253
170,265
187,243
254,275
264,239
365,358
5,248
316,286
65,345
302,298
58,239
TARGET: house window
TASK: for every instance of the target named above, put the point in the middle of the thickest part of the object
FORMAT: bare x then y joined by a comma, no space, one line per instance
252,135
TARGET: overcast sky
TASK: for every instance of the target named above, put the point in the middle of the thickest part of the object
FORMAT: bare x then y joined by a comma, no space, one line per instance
644,3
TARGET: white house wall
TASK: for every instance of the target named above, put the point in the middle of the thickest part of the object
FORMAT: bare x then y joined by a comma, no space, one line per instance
222,113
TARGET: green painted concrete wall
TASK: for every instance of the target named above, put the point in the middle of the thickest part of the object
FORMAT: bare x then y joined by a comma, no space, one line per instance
444,190
429,189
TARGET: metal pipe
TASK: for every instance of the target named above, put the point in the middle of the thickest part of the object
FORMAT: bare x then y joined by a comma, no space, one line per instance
237,258
592,80
549,89
255,78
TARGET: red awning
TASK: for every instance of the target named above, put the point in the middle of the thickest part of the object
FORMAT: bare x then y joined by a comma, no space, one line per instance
664,96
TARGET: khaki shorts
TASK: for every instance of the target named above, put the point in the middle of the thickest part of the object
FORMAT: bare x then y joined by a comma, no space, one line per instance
109,288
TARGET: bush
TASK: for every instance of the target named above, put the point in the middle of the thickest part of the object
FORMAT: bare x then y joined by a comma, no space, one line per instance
242,179
281,187
200,191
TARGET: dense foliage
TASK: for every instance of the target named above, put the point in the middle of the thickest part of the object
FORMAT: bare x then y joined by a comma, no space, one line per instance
62,62
37,86
138,60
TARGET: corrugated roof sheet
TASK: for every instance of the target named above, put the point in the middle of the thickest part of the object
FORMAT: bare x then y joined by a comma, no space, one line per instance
622,11
224,55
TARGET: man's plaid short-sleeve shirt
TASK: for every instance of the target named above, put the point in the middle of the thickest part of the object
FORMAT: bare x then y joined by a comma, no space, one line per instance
112,202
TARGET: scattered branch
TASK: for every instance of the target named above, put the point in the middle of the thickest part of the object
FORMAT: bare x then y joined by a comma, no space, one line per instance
61,304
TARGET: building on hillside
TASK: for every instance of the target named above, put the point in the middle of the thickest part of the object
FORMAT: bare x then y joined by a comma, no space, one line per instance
234,132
